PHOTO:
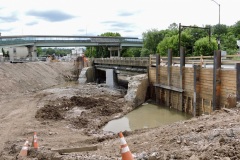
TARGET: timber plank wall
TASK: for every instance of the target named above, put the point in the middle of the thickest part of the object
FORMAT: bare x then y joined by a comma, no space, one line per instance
204,87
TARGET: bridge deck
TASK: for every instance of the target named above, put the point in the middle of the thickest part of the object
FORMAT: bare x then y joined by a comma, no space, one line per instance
43,41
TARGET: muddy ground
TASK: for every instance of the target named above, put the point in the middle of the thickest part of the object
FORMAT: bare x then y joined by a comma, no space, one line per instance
72,115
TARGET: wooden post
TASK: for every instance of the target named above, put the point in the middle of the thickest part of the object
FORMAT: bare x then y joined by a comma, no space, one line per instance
182,65
195,88
238,81
203,108
157,77
216,80
186,105
169,75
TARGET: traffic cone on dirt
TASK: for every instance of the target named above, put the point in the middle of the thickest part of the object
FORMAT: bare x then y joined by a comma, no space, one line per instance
24,149
125,151
35,143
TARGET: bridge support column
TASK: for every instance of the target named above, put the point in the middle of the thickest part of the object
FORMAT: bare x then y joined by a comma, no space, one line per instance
111,49
32,52
111,78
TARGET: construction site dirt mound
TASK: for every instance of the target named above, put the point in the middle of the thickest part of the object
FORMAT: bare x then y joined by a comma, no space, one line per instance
90,109
34,76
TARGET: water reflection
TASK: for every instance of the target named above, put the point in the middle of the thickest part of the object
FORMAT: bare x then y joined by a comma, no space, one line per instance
147,116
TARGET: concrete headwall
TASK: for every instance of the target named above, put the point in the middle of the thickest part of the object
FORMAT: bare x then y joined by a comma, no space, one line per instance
137,90
86,75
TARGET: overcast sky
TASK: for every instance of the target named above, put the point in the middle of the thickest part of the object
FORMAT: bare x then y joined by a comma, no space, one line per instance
130,18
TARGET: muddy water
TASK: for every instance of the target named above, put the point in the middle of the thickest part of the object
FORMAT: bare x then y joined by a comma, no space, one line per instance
145,116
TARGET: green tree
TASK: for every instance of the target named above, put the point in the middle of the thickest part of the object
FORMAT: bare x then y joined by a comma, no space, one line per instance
110,34
236,29
133,52
151,38
204,47
101,51
172,43
90,52
173,27
57,51
50,51
220,29
197,33
39,51
3,52
229,43
145,52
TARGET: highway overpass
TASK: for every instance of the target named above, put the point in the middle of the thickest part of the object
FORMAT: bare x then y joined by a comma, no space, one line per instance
68,41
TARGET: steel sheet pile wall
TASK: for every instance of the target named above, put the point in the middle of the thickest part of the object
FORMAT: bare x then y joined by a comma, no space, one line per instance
203,87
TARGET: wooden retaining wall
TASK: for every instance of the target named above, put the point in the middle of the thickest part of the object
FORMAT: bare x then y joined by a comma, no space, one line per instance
195,95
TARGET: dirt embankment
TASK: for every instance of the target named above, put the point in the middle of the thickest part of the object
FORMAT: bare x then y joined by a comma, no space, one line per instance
34,76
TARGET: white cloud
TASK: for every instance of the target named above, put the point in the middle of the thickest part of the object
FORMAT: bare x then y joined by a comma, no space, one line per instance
93,17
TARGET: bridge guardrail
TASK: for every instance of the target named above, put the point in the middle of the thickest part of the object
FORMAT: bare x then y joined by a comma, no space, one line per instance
125,61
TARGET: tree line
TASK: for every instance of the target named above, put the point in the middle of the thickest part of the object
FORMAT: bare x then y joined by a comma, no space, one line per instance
196,41
53,51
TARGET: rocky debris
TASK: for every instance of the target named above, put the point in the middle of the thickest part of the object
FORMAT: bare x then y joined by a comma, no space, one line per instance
96,112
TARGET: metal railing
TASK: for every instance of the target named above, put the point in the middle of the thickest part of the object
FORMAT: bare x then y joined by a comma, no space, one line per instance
123,61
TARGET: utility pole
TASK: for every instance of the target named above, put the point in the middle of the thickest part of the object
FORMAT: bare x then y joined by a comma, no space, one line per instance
218,41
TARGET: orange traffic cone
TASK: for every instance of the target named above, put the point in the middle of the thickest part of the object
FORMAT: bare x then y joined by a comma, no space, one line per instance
24,149
125,151
35,143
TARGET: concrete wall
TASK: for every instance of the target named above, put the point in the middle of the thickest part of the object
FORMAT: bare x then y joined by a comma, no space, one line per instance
137,89
86,75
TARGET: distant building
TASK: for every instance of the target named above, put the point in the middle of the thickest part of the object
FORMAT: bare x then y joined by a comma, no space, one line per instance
78,51
19,52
